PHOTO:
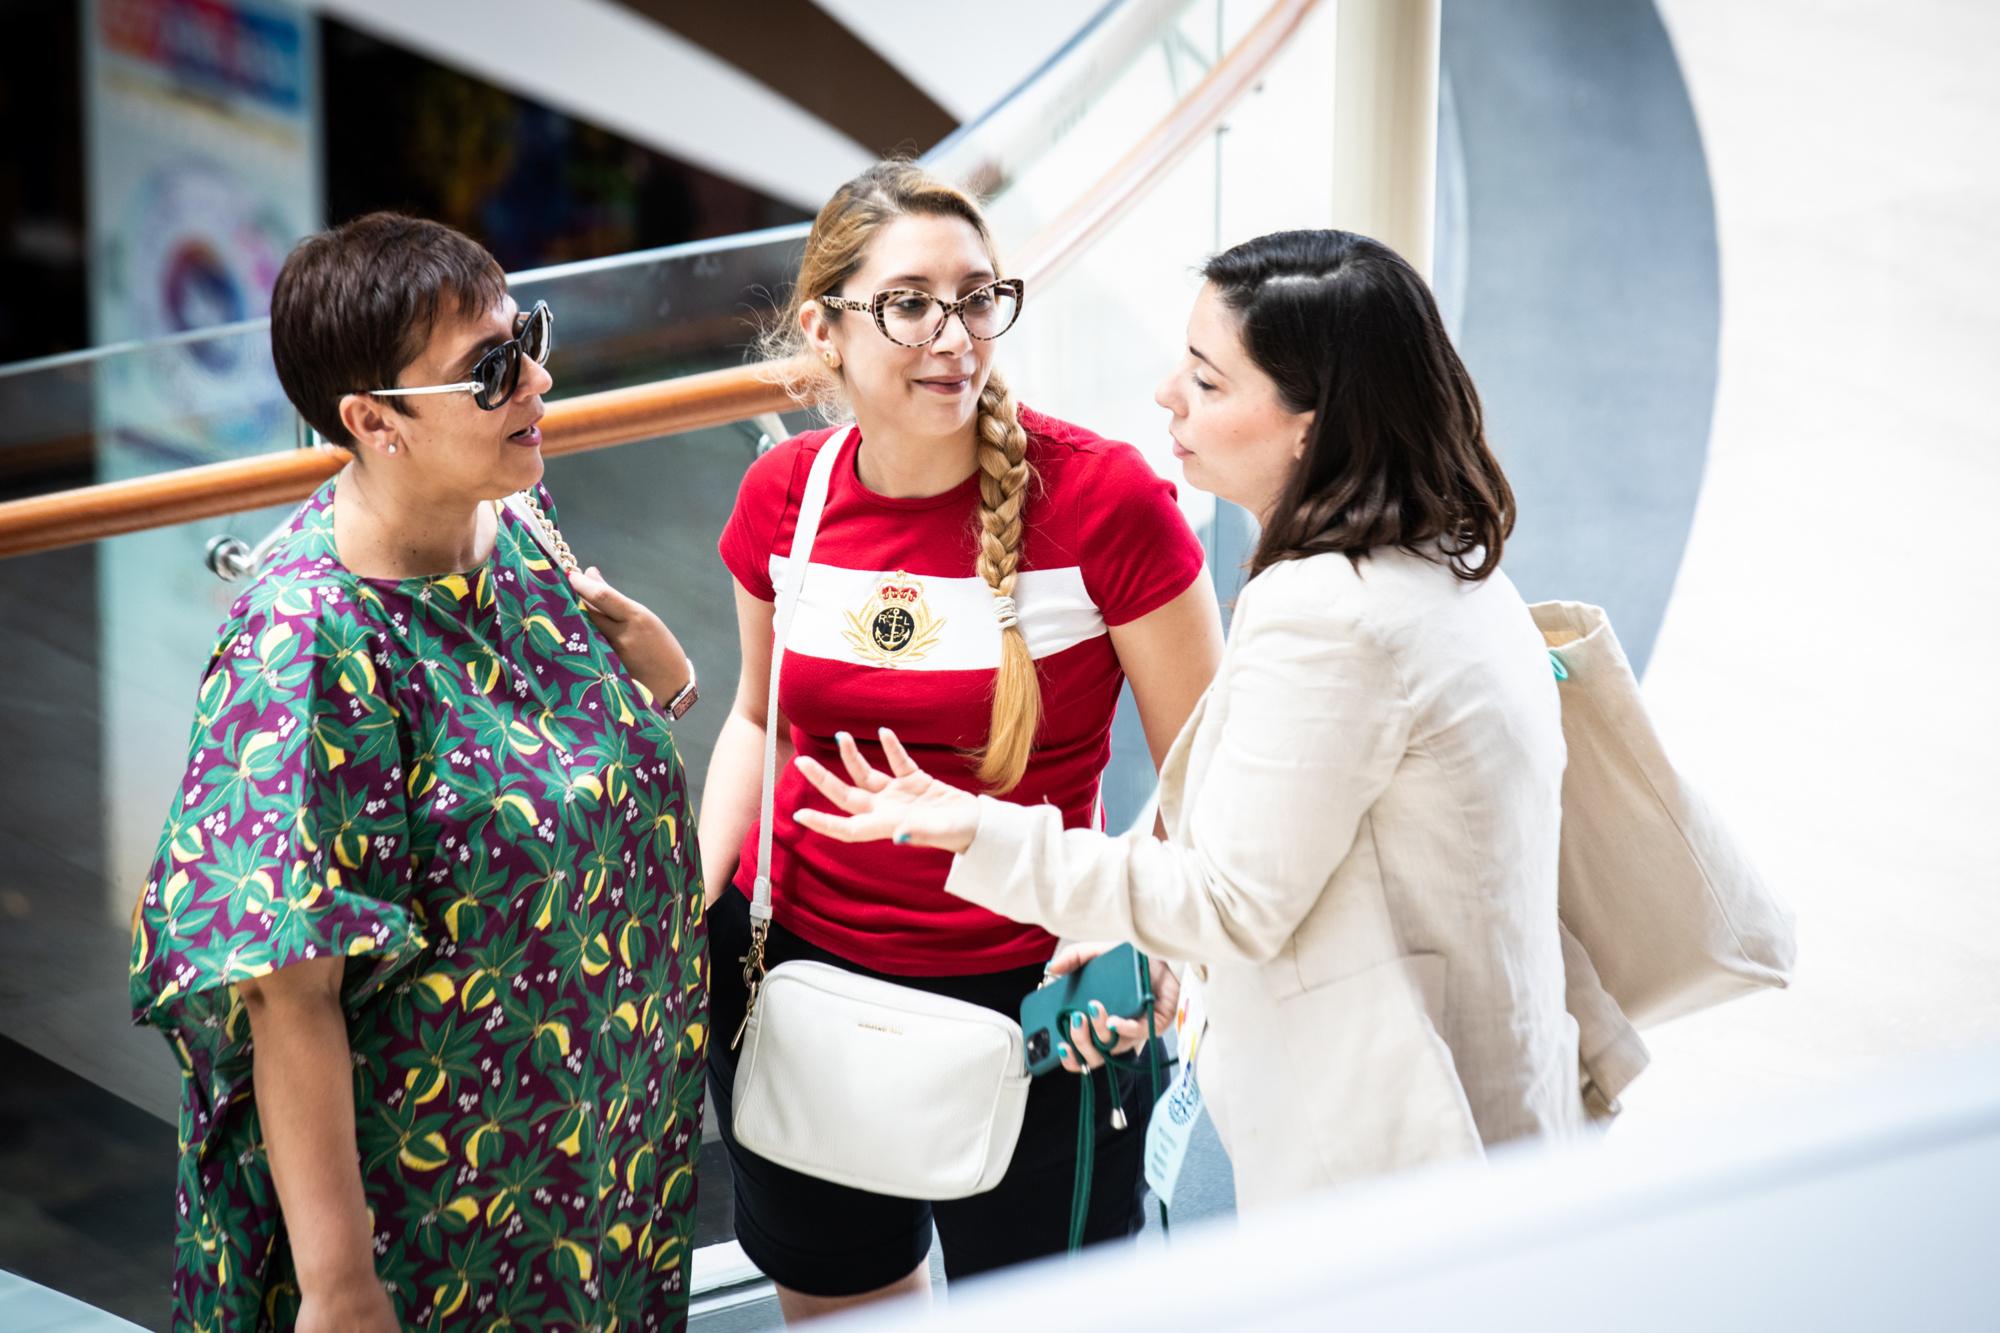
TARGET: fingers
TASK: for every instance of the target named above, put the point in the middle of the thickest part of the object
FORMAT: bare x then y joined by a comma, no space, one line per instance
1107,1034
1120,1036
899,759
1080,1042
1131,1035
833,826
859,771
826,784
1067,961
1073,957
599,596
1083,1054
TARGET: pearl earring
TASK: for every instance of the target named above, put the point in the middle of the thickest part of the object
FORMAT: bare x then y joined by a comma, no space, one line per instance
392,448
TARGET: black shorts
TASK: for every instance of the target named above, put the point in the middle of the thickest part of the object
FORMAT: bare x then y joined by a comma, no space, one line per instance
830,1240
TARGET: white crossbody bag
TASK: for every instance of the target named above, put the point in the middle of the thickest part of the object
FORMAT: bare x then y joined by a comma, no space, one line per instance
852,1079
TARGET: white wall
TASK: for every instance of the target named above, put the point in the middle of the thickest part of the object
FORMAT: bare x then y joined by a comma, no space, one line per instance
1827,664
966,60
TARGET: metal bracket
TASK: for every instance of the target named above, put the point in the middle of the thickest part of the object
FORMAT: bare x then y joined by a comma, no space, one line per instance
231,558
771,432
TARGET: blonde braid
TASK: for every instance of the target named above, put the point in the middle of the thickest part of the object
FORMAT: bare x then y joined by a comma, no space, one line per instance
1004,477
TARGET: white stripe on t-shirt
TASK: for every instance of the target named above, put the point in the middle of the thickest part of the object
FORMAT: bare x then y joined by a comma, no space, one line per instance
954,616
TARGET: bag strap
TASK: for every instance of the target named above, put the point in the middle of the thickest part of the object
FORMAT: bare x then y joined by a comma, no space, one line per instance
525,507
811,505
810,508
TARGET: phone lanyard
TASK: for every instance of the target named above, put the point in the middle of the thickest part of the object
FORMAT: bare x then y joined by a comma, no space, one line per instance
1086,1116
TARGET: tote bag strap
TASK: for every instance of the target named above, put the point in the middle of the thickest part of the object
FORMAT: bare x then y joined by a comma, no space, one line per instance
810,508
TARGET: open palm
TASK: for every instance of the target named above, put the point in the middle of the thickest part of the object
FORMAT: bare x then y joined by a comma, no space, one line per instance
905,805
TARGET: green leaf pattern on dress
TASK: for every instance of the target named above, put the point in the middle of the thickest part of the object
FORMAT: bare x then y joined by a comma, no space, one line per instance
453,783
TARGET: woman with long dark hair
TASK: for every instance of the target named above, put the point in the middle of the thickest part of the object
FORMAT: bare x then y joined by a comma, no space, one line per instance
1362,814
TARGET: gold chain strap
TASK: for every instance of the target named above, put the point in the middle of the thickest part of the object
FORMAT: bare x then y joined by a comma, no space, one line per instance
564,556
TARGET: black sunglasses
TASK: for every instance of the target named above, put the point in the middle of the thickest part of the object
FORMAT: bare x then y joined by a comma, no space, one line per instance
496,375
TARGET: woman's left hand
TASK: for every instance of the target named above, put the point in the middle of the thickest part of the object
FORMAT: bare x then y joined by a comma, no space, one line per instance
1123,1035
905,805
649,650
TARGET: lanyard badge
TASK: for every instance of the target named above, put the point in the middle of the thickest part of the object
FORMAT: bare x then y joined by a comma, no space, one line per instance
1172,1126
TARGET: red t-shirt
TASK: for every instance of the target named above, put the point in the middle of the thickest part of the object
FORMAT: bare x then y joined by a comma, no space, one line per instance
895,628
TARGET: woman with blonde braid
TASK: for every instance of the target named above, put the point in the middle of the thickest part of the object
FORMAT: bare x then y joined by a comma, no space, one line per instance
984,580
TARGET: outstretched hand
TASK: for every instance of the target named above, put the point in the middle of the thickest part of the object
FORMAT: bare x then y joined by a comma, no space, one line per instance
905,805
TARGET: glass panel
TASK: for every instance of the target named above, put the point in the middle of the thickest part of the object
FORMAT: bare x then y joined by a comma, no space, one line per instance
135,409
105,643
155,407
1091,346
103,646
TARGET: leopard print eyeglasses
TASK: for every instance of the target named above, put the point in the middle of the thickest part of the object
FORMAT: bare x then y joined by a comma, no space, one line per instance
910,318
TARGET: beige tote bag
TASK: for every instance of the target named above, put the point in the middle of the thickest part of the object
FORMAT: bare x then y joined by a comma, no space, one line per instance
1652,887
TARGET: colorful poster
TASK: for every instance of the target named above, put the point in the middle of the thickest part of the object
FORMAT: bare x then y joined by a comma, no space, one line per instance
202,143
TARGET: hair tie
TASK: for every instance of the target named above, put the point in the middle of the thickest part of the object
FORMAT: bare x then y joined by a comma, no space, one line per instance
1005,610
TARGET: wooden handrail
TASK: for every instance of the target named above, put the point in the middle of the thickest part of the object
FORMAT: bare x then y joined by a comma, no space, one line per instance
572,425
646,411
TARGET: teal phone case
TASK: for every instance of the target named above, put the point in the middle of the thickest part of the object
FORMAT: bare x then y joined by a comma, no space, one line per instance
1117,979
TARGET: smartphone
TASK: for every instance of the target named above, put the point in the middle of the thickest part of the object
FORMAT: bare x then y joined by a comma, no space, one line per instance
1119,979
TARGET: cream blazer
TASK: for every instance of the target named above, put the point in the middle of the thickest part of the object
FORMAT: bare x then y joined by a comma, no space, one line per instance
1362,817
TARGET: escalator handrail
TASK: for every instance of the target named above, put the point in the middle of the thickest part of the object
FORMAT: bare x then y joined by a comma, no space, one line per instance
646,411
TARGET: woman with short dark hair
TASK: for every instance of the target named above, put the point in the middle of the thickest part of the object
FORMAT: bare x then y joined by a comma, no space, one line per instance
1362,814
425,924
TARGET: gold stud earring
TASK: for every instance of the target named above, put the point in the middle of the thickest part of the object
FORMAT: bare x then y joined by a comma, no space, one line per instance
831,360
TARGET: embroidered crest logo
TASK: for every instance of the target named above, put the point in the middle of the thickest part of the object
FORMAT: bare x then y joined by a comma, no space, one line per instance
896,627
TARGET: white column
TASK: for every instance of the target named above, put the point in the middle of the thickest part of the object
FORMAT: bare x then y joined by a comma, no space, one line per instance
1385,123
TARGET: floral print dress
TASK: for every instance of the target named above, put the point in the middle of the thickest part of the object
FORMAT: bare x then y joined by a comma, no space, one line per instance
452,782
